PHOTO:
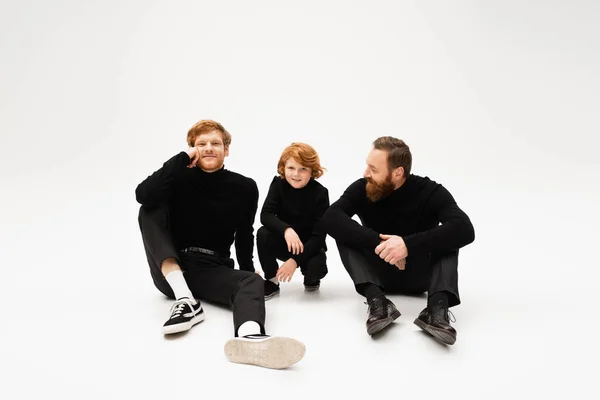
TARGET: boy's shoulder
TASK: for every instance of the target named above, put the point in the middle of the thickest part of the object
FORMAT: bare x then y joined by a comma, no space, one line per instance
317,186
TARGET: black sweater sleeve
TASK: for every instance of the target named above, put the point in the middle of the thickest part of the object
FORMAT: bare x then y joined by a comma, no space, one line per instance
316,241
156,189
244,235
454,232
338,223
270,209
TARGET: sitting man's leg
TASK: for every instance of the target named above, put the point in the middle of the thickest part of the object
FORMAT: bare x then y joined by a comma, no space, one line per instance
165,270
442,294
244,292
365,270
314,270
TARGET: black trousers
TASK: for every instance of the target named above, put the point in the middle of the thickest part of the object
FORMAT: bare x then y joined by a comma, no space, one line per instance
209,278
432,273
272,247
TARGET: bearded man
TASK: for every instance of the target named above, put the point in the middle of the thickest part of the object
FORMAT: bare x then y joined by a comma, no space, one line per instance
408,240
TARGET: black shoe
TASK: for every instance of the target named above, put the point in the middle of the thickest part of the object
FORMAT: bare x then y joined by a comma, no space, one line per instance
184,315
435,320
271,289
382,312
265,351
311,286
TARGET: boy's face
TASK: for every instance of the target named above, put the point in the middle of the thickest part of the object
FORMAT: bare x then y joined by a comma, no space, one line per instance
212,151
296,174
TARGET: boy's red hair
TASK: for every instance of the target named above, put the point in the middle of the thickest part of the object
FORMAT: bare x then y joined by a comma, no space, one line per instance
304,154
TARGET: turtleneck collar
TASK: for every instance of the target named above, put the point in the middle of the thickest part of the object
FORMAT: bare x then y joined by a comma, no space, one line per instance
215,173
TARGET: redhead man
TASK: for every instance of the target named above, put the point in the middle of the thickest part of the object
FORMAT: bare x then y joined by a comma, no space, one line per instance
193,210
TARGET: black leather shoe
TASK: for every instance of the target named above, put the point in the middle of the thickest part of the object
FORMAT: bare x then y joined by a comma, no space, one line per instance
435,320
382,312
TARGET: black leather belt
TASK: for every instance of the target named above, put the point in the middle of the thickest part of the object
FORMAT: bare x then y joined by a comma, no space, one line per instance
200,250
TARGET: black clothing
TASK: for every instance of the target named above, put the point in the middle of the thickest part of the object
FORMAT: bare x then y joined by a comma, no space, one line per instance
208,210
414,211
300,209
439,273
370,291
272,247
209,278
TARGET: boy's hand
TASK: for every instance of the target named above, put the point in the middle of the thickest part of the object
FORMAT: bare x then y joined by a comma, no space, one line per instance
286,271
294,243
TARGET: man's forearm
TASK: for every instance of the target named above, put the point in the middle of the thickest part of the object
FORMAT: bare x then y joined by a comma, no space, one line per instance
154,190
346,230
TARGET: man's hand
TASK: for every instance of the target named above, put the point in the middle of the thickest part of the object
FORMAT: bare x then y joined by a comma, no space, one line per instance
392,249
286,271
401,265
194,154
294,243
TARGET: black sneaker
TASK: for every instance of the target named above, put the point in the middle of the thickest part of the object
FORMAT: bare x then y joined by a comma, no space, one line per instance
265,351
184,315
382,312
311,286
271,289
435,320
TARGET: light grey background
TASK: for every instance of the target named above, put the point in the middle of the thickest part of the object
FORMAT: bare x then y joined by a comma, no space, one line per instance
497,99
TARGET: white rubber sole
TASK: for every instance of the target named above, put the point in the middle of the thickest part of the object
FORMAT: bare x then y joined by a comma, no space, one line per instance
170,329
273,352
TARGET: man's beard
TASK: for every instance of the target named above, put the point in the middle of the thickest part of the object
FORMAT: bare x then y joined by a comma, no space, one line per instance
377,191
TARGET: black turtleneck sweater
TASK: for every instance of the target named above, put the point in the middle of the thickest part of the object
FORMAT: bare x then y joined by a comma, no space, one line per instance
209,210
414,211
300,209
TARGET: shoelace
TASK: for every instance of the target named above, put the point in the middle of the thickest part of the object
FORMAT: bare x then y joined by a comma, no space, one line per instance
376,306
449,316
453,319
178,306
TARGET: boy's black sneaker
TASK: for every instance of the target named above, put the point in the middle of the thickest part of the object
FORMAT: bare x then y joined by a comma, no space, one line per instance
271,289
311,286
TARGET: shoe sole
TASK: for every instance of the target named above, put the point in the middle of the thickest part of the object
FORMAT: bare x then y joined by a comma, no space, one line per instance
274,352
384,323
440,335
272,295
311,288
171,329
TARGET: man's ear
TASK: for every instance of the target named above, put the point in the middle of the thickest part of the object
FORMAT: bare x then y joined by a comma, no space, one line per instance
399,173
226,150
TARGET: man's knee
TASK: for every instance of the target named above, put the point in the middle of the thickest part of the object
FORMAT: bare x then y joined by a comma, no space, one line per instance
251,282
251,279
349,253
152,214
